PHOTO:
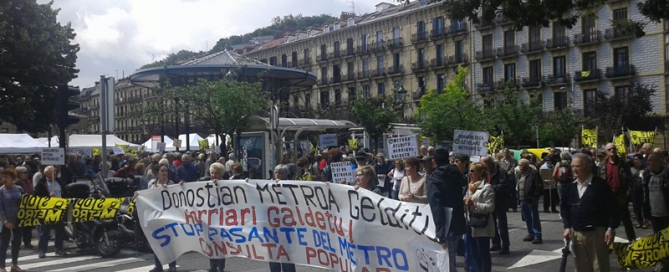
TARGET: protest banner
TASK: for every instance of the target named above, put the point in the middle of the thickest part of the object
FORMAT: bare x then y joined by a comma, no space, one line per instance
327,140
644,252
53,156
589,137
203,144
90,209
619,142
118,150
330,226
342,171
36,210
472,143
402,147
642,137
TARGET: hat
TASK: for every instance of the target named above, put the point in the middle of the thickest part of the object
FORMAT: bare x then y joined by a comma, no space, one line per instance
359,156
426,159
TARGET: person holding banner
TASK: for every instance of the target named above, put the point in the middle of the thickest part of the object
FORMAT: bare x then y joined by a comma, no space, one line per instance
365,177
280,173
217,172
161,181
50,186
10,201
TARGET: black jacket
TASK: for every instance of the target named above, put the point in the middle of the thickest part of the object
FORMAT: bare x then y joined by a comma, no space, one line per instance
533,188
597,207
500,185
444,190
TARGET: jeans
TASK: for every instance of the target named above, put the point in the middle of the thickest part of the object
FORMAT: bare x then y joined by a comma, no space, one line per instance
44,232
513,198
501,227
395,195
530,210
478,253
6,235
160,266
562,191
452,241
279,267
217,264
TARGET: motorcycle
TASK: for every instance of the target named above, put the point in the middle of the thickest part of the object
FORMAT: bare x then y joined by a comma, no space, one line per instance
99,235
127,223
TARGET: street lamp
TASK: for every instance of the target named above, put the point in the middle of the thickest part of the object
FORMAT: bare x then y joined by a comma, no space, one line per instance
536,130
400,93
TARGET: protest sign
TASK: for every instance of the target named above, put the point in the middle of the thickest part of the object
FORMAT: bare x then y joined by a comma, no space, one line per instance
342,170
53,156
161,147
402,147
38,210
642,137
305,145
35,210
644,252
330,226
472,143
327,140
89,209
118,150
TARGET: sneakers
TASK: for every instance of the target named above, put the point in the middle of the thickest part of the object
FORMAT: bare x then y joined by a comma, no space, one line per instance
15,268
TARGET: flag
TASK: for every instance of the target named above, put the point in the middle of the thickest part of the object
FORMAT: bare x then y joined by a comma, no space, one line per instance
642,137
126,148
589,137
619,141
585,73
96,151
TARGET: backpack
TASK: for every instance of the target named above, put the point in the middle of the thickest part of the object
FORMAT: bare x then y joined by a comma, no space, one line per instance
564,174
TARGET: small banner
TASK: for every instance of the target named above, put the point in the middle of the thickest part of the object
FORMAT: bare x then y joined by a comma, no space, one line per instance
589,137
96,151
330,226
642,137
644,252
353,143
402,147
495,144
619,141
90,209
126,148
36,210
204,144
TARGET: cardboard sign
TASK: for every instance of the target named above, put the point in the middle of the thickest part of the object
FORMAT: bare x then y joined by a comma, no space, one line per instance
53,156
402,147
342,170
327,140
161,147
118,150
472,143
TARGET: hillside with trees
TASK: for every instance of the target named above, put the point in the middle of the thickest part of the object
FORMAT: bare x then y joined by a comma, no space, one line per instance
279,27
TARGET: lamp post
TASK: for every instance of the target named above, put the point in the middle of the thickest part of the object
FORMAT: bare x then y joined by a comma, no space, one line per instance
400,94
536,130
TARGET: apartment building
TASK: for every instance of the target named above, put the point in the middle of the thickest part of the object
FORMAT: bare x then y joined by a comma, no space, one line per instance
560,66
413,46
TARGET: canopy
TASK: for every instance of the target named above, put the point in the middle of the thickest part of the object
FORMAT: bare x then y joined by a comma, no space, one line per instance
20,143
169,145
212,139
194,144
54,140
81,141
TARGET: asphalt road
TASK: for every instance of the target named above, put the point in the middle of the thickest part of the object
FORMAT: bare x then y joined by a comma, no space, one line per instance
524,256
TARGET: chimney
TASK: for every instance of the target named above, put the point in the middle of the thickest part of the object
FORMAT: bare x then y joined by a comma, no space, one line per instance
345,15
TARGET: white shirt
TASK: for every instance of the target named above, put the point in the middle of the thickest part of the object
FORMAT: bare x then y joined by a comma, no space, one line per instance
581,187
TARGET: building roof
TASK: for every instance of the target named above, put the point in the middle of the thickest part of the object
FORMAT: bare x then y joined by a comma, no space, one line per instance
223,58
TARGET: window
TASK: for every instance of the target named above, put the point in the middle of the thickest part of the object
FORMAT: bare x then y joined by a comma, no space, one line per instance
379,40
622,93
620,57
559,67
589,99
293,60
421,57
307,100
438,25
379,64
336,73
589,61
509,72
487,44
441,83
440,54
422,82
535,70
381,89
363,43
324,52
366,91
349,46
558,32
336,49
337,97
272,61
396,62
324,74
588,25
509,40
459,52
559,100
396,35
420,28
325,99
487,75
306,54
535,38
349,70
620,14
284,60
365,67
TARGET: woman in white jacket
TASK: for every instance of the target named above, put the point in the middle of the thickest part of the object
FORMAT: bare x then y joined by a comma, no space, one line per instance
480,204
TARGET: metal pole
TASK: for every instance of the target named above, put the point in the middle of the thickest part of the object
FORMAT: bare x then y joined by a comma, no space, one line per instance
104,125
162,111
536,129
176,120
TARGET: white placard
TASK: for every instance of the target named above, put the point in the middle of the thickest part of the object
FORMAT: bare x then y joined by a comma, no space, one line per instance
327,140
118,150
161,147
470,143
426,142
305,145
402,147
53,156
342,170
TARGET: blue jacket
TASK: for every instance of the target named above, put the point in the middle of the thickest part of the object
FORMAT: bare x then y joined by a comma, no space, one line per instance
187,172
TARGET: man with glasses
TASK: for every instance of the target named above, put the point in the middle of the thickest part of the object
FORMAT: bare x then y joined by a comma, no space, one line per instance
530,188
616,172
590,216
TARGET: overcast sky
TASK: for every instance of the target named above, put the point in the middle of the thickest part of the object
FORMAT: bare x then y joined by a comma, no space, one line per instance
119,36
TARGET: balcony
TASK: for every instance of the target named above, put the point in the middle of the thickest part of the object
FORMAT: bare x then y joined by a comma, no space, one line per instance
335,55
612,34
377,73
437,33
457,28
395,70
305,62
418,66
557,80
502,84
507,51
534,46
418,93
621,71
557,42
438,63
322,58
375,47
364,75
592,75
456,60
484,55
419,37
396,43
363,49
529,82
335,79
483,25
587,38
350,52
349,77
484,87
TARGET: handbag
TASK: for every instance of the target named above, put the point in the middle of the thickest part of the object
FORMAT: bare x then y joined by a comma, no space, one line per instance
478,220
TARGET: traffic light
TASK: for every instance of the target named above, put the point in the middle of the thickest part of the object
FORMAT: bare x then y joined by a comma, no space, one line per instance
63,119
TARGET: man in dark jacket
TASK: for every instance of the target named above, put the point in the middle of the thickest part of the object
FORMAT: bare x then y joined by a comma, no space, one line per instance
616,172
530,188
498,182
444,190
589,216
187,171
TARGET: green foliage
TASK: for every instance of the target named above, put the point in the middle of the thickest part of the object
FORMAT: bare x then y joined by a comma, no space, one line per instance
173,59
559,127
36,56
516,117
655,10
375,114
440,114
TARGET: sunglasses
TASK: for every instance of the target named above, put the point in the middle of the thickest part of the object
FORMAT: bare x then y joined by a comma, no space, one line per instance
611,149
472,171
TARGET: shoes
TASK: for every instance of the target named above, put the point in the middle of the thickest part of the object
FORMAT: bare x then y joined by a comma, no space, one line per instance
42,255
495,248
156,269
29,246
504,251
528,238
172,269
61,252
547,211
639,226
537,241
16,269
555,211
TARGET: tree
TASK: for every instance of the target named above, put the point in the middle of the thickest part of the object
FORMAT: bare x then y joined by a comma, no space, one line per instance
516,116
375,114
529,13
559,127
36,56
440,114
173,59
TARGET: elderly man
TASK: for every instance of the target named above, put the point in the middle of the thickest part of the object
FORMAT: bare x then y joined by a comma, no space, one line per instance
427,163
187,171
423,150
616,172
217,171
213,157
590,216
530,188
75,168
497,179
508,164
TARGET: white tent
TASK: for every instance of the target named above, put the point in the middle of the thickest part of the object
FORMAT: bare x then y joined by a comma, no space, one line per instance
194,145
54,141
169,145
20,143
81,141
212,139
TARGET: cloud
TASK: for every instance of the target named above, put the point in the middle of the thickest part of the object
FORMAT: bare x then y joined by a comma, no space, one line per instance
118,36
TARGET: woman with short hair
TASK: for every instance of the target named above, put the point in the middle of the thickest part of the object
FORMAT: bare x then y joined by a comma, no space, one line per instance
10,201
365,178
479,205
412,187
281,173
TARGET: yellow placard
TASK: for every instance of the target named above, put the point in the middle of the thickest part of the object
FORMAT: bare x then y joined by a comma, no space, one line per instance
96,151
90,209
642,137
589,137
306,177
619,141
37,210
204,144
495,143
353,143
644,252
126,148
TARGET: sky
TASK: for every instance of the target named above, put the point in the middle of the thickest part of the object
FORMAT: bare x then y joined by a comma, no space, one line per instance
117,37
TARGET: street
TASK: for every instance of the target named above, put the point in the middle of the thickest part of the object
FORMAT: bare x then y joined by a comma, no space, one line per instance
524,255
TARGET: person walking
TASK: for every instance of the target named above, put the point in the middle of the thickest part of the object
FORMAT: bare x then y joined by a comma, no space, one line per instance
530,189
656,197
480,206
616,172
590,216
10,201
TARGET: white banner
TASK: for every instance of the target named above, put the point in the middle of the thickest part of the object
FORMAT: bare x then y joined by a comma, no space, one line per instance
311,223
402,147
342,170
470,143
